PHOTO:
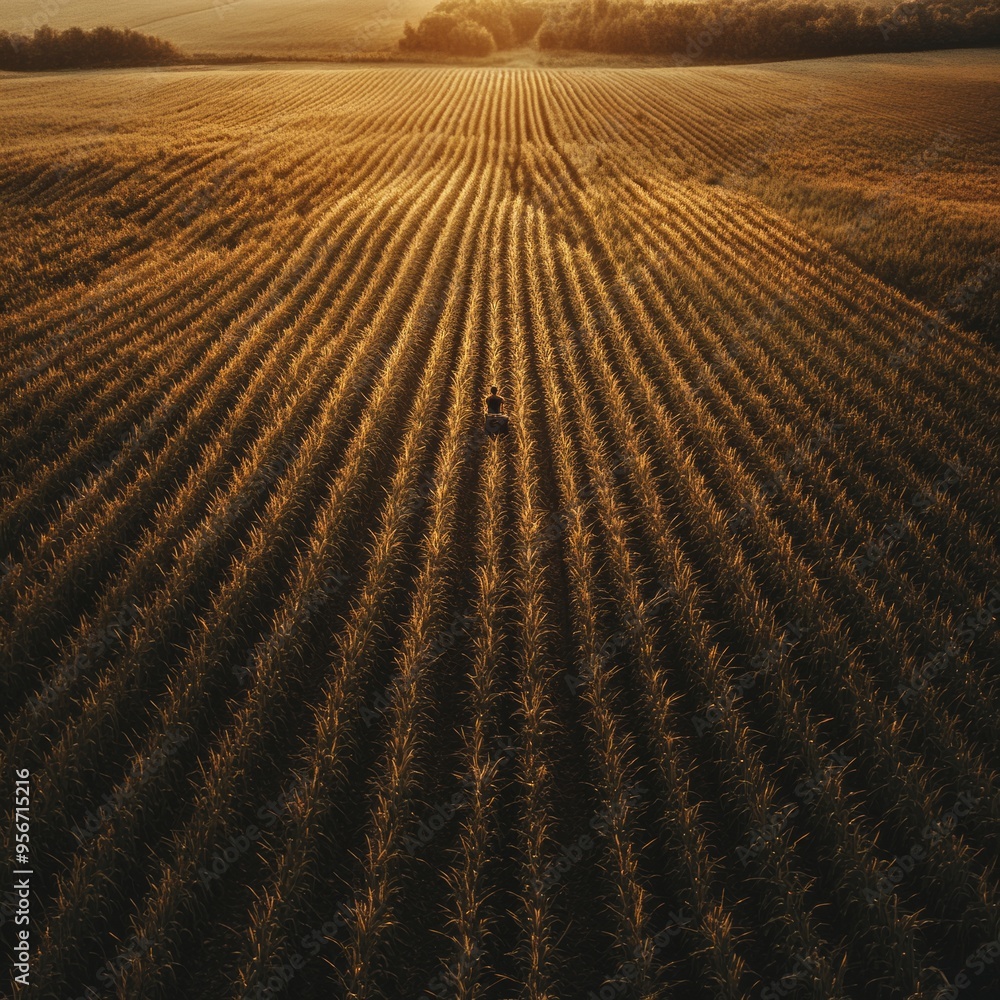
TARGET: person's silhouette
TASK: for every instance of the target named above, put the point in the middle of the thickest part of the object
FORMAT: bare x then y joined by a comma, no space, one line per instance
494,401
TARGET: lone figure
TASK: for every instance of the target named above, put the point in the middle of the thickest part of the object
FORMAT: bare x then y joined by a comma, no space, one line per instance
494,401
496,420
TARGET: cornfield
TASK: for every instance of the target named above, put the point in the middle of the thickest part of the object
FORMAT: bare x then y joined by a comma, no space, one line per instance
687,687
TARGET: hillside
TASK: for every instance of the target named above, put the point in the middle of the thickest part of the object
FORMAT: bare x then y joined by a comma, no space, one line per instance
313,28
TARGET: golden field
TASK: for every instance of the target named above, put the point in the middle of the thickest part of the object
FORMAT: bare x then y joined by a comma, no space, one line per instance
685,688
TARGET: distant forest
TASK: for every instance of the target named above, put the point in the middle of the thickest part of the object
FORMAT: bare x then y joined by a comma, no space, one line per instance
709,31
75,48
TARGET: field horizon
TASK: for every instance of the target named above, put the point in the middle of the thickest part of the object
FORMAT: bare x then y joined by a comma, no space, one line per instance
231,27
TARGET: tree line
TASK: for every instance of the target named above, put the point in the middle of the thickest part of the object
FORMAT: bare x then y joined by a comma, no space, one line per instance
75,48
474,27
710,31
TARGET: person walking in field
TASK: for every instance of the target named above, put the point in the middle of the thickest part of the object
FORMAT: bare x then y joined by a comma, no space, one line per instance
496,419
